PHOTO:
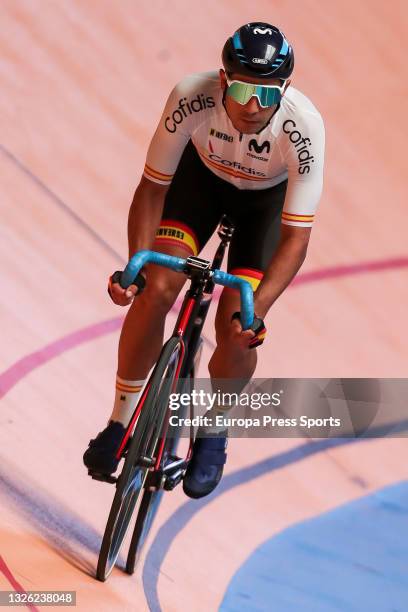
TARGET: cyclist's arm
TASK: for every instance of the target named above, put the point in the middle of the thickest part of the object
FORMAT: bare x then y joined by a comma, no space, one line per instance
305,182
145,214
144,218
165,150
288,258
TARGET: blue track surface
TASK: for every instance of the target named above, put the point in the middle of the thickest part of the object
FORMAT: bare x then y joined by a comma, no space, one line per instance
354,558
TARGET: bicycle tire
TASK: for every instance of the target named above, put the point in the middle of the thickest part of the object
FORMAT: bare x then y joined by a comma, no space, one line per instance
143,442
147,511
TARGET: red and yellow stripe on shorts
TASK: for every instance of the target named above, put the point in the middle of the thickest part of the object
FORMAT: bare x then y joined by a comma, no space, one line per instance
249,274
177,234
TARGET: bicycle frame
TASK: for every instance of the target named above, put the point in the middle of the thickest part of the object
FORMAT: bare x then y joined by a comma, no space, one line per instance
203,275
188,327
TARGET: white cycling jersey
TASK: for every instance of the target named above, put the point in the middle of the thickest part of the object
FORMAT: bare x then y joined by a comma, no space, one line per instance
290,147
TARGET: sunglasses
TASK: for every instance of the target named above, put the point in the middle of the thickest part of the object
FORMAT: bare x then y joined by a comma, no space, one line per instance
267,95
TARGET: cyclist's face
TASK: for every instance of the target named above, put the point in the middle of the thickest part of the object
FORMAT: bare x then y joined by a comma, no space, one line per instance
251,117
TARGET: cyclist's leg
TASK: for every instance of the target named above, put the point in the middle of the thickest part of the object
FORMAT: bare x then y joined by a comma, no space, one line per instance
254,242
256,236
141,337
189,218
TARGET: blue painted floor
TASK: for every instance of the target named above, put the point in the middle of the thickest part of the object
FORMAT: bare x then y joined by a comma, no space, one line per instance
354,558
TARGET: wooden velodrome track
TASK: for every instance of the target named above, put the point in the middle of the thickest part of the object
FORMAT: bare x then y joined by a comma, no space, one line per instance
82,87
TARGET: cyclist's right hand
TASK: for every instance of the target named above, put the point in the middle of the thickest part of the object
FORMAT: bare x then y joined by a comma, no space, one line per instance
124,297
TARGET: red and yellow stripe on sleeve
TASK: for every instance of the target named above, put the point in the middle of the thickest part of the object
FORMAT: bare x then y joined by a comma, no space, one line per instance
156,176
300,220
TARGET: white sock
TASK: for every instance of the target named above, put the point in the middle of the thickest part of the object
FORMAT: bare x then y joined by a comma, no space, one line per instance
126,397
216,410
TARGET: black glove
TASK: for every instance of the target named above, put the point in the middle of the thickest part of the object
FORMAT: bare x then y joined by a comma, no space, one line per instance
258,326
139,281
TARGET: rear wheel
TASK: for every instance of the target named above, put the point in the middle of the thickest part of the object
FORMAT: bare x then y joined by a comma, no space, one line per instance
143,445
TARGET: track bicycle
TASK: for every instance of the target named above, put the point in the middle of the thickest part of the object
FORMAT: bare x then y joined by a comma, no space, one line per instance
148,448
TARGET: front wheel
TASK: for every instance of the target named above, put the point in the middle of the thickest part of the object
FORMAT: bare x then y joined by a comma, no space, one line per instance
143,444
128,490
152,496
147,511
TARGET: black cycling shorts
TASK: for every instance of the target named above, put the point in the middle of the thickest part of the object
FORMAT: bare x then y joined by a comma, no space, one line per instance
197,199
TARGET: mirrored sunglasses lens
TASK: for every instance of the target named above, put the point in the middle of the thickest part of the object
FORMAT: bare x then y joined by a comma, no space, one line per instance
268,96
241,92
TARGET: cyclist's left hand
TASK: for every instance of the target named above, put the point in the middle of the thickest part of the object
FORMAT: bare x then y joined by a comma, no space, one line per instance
250,338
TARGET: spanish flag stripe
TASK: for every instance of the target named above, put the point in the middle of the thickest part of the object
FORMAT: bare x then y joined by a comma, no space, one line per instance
297,220
128,388
296,214
248,272
292,217
305,219
155,179
171,240
187,239
253,281
158,174
179,225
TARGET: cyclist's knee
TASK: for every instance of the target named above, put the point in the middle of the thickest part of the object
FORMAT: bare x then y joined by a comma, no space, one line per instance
224,335
160,294
228,304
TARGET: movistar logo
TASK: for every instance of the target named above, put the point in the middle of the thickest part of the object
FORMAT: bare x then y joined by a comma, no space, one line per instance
263,31
259,148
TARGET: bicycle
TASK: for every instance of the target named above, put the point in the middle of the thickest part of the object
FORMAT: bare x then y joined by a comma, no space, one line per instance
151,465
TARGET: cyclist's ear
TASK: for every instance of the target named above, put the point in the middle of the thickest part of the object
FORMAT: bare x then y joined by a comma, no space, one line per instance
286,85
223,79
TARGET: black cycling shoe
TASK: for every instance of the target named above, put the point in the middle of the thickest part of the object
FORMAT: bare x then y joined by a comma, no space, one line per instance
205,469
100,456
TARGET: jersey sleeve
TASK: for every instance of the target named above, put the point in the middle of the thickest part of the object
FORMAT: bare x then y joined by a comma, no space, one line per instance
303,143
169,140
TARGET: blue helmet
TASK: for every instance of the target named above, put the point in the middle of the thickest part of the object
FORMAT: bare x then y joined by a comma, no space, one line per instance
258,49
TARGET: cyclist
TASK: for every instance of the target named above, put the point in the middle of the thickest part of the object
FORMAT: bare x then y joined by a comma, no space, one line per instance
241,142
